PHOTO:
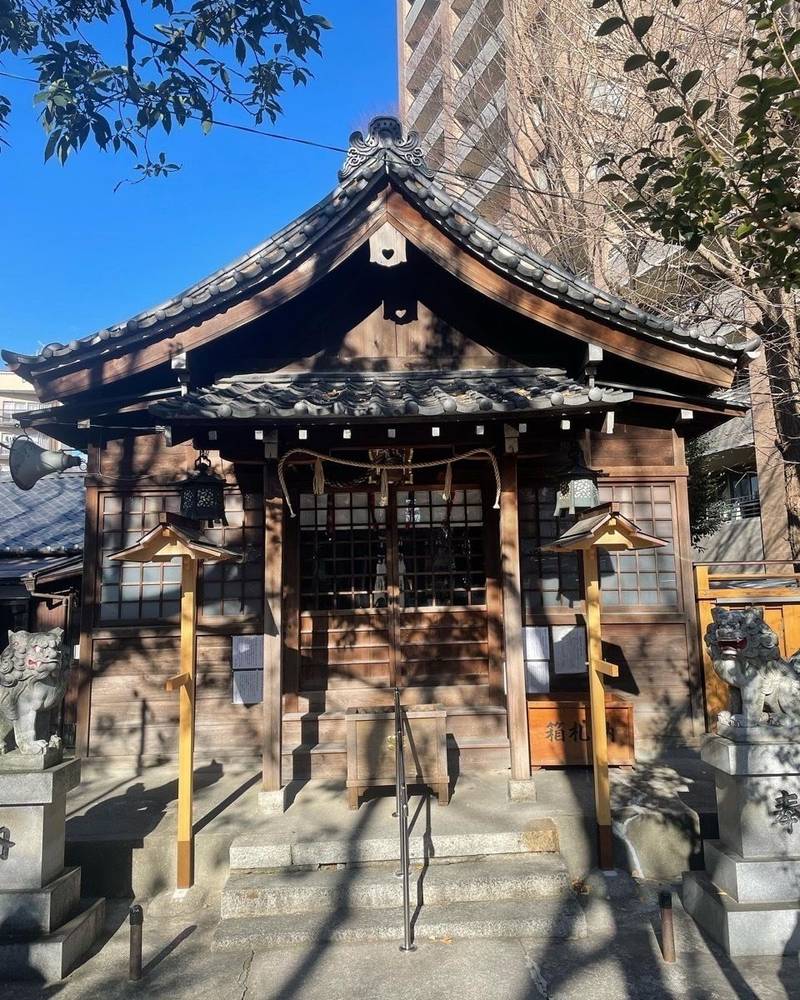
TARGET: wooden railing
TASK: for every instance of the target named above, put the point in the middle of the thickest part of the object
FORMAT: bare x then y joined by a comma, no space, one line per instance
773,586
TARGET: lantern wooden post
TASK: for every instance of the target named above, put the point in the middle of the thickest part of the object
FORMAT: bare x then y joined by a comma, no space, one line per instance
173,537
600,528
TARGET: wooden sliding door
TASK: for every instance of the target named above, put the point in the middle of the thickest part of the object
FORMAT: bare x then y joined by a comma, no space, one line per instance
391,594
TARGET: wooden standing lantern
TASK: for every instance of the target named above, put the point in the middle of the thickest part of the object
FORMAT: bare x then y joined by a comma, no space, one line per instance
177,537
600,528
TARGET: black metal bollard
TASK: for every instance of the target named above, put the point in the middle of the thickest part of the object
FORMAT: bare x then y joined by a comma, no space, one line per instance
667,926
135,959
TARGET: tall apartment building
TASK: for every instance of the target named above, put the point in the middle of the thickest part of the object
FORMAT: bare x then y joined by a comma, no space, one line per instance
452,65
469,73
17,396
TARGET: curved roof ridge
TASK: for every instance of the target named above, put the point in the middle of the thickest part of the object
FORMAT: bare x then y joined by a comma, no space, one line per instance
387,152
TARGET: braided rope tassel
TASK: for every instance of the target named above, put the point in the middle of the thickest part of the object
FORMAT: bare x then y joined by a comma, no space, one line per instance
447,492
318,484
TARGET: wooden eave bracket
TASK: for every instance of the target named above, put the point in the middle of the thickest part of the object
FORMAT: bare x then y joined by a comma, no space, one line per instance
177,681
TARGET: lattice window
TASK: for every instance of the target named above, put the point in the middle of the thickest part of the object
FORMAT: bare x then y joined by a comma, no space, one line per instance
441,559
236,588
641,578
151,591
549,579
342,552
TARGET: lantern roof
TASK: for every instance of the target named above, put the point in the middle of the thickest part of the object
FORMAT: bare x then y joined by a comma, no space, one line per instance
175,536
605,528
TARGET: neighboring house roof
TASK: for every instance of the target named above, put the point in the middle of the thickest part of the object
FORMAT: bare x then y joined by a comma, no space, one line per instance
733,434
47,521
386,394
383,153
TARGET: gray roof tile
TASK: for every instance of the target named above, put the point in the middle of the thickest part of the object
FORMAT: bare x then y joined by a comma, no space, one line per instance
354,395
48,520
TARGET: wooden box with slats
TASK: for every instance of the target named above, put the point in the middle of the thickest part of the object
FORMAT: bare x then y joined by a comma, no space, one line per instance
370,735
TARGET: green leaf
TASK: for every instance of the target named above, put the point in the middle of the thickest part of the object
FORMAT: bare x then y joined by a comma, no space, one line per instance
642,24
609,25
599,3
611,177
691,79
631,207
669,114
660,83
700,107
635,61
206,125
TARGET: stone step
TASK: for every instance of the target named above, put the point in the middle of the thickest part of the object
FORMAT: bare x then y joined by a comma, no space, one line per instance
520,876
558,918
258,851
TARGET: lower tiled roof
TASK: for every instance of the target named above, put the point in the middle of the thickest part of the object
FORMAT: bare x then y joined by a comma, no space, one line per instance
304,395
47,520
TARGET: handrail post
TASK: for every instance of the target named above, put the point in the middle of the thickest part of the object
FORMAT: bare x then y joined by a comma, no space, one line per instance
402,813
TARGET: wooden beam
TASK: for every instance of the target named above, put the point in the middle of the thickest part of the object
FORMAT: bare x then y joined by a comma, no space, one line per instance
178,681
89,585
597,706
273,639
516,700
188,659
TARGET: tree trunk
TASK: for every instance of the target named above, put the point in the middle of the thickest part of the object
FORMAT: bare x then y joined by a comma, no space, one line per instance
782,353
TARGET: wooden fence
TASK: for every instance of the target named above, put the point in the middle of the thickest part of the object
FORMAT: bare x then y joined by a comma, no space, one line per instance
773,586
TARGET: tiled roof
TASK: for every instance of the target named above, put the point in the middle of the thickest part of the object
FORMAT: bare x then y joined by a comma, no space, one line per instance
386,394
46,521
383,156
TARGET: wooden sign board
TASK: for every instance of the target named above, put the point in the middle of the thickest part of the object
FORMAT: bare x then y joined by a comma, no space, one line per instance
560,731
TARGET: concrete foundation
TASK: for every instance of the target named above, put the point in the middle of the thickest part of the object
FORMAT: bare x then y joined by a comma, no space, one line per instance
44,925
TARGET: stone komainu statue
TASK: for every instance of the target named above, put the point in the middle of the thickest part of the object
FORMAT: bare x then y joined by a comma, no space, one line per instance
765,688
33,681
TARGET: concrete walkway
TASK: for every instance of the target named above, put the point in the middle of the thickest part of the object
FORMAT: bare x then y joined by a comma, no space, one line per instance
619,959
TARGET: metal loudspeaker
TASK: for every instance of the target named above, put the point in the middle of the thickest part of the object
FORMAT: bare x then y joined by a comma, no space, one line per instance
28,462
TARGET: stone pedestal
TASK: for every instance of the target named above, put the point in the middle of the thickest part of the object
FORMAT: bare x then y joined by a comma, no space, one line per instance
45,926
748,899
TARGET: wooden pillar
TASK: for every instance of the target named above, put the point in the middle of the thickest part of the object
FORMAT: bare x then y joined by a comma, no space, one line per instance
81,694
597,705
273,643
188,659
512,620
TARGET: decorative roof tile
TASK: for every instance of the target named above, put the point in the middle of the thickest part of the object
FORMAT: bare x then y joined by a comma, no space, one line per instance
385,156
354,395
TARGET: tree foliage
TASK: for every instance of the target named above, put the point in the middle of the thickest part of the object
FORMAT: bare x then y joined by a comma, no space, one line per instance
114,72
695,181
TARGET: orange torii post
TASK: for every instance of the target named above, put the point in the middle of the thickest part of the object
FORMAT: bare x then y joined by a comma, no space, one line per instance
600,528
177,537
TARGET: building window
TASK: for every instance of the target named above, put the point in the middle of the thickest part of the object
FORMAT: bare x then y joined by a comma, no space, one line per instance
549,579
132,592
648,578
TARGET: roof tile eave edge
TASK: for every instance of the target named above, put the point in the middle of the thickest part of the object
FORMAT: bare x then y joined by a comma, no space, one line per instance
679,339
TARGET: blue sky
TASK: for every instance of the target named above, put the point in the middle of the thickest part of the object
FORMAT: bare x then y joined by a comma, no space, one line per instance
76,256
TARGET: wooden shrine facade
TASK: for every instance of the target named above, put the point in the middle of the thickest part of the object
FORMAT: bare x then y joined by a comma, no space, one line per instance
389,324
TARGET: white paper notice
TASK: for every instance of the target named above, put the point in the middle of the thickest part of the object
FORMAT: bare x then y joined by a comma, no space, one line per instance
537,659
569,649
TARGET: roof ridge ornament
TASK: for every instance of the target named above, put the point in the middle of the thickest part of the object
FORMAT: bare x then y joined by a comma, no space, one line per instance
385,134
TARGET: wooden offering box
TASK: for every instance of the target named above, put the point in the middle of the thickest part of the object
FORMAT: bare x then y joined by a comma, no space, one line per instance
371,749
559,728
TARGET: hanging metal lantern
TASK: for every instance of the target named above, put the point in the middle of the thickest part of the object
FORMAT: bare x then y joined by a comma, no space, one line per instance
202,493
578,488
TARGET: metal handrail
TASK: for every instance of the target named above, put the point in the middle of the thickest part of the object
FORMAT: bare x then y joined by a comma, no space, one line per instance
401,792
